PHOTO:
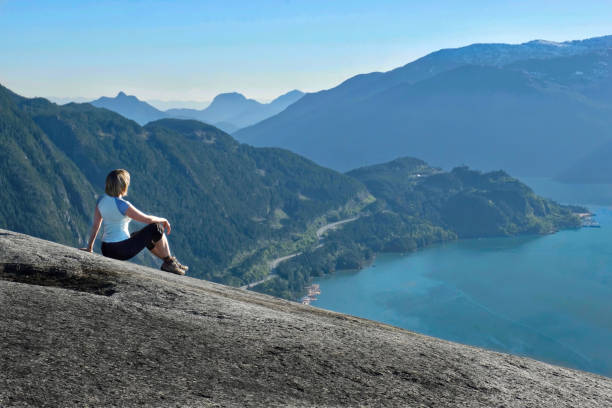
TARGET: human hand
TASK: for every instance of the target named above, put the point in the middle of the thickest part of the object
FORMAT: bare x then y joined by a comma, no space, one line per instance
166,225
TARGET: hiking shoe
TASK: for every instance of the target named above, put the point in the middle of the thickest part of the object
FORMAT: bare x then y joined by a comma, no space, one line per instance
183,267
172,266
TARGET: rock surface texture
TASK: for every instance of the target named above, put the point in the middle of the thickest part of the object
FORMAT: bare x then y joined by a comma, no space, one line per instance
78,329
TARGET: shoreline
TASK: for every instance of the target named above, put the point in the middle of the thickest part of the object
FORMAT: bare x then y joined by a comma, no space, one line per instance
583,217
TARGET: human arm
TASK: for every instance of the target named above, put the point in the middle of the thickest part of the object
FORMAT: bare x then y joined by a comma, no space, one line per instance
139,216
97,221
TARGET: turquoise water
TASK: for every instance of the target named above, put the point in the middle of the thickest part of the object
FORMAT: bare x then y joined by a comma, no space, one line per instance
546,297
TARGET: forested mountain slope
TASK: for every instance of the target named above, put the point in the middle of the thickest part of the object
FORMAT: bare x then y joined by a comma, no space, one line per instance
418,205
43,192
233,207
228,202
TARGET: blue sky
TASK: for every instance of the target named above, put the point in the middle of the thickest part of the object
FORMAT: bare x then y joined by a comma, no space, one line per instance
193,50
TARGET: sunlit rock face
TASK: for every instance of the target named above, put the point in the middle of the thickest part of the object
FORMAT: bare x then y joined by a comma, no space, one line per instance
78,329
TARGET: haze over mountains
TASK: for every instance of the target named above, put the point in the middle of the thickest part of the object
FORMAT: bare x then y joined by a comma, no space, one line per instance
489,106
232,111
235,207
532,109
164,105
228,201
227,111
130,107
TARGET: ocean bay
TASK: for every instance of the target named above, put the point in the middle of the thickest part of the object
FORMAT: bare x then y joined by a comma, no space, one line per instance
546,297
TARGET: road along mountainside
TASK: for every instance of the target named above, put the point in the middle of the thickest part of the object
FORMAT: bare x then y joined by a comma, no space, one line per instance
78,329
275,262
332,226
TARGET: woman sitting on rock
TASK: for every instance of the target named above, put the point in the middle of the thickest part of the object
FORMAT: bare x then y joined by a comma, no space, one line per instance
116,213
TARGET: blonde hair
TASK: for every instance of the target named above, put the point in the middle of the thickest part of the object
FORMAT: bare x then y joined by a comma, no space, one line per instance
117,182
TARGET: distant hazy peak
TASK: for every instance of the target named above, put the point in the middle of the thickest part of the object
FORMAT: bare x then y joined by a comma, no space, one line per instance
237,97
125,97
548,43
229,96
231,111
288,98
121,96
130,107
496,54
295,92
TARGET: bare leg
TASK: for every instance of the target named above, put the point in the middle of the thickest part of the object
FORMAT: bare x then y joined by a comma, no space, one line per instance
161,248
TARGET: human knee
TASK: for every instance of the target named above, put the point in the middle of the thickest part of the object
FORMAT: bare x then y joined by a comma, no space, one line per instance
157,231
160,229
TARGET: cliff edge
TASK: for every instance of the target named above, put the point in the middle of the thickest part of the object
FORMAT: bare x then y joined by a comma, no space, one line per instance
78,329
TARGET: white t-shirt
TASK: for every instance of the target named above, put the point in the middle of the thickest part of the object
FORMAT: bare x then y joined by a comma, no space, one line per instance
114,221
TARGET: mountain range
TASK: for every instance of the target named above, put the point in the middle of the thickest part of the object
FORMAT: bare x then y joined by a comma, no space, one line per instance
130,107
228,111
229,203
232,111
532,109
235,207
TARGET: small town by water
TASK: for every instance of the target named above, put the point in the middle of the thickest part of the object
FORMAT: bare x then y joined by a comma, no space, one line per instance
312,292
546,297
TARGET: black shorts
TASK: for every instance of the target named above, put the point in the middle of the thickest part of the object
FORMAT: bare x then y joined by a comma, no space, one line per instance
138,240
